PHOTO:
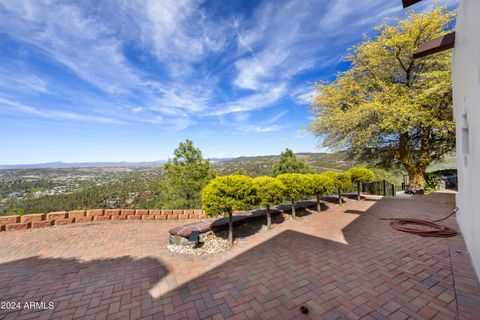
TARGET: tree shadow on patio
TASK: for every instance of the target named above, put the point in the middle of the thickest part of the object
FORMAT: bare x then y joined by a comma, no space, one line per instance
377,269
77,288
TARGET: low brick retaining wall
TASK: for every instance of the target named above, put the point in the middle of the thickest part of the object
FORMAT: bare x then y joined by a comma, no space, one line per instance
41,220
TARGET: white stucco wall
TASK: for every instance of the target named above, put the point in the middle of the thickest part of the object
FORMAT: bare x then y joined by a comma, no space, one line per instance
466,102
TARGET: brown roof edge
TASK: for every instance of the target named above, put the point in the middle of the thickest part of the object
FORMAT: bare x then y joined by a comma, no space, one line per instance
442,43
408,3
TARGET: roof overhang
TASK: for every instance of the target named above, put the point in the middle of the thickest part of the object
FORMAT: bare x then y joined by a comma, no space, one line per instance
408,3
442,43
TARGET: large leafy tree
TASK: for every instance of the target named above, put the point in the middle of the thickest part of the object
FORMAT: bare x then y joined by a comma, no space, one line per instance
388,108
185,177
224,195
289,163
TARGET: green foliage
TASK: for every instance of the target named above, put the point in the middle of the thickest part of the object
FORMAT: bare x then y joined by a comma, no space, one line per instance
360,174
382,174
131,188
289,163
17,211
318,184
269,190
185,177
390,109
224,195
294,184
432,178
341,181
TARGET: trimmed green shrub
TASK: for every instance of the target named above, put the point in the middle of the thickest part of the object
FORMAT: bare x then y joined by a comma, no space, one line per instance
294,187
318,184
341,182
224,195
359,176
269,192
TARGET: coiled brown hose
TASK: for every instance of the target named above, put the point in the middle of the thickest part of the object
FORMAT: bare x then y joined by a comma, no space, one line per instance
436,230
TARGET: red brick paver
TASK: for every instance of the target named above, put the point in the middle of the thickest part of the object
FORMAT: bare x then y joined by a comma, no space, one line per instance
342,264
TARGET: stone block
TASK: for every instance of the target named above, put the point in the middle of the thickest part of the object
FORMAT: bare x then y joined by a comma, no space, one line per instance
76,213
172,217
167,212
160,217
42,224
56,215
62,222
141,212
83,219
148,217
151,212
9,219
119,218
112,212
127,212
194,216
94,212
101,218
17,226
133,217
33,217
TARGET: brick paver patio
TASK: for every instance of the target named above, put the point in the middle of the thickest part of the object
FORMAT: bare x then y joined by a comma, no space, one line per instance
341,264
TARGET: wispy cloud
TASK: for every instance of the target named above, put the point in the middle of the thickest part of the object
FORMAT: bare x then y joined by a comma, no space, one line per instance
173,62
9,106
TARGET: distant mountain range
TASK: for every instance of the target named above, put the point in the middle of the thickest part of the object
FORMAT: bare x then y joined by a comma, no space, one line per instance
82,164
254,165
59,164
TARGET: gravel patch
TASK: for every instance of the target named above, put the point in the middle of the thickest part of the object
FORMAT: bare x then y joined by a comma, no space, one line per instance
218,242
212,244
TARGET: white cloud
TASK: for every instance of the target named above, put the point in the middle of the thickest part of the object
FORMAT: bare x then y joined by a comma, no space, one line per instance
251,102
259,128
17,79
84,45
303,95
276,117
10,106
244,123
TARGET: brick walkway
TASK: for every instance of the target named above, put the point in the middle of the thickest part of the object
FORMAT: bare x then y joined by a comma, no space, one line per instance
342,264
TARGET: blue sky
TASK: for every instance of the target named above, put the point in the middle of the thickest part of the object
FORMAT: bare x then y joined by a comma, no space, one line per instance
127,81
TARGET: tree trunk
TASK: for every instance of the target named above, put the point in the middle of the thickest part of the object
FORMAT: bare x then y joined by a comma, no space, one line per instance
269,218
340,196
293,209
230,229
358,190
416,169
416,181
319,207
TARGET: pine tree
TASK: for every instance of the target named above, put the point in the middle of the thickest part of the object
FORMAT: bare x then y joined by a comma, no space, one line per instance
185,177
289,163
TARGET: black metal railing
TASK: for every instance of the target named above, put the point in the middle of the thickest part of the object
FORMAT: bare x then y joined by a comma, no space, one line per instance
380,188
